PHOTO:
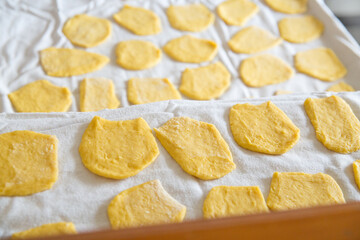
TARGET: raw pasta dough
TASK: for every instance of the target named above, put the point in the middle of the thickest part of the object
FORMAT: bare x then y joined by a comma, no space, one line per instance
47,230
356,168
288,6
341,87
237,12
282,92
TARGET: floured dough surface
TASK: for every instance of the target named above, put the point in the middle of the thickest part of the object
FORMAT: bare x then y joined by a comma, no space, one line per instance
47,230
137,54
252,40
225,201
205,83
145,204
335,124
117,149
341,87
23,154
41,96
290,190
288,6
197,147
192,17
66,62
97,94
300,29
147,90
138,20
87,31
282,92
321,63
263,128
262,70
356,168
191,49
237,12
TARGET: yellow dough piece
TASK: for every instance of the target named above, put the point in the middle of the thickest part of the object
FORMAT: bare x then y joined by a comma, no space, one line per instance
300,29
192,17
225,201
263,128
262,70
197,147
341,87
147,90
282,92
237,12
205,83
252,40
140,21
288,6
191,49
23,156
292,190
335,124
117,149
66,62
87,31
137,54
41,96
356,167
321,63
97,94
145,204
47,230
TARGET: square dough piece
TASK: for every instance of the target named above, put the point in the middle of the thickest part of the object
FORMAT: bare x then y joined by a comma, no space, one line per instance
47,230
356,167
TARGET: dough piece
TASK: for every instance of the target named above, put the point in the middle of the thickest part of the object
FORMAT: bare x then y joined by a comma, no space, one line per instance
66,62
300,29
97,94
321,63
87,31
137,54
252,40
205,83
191,49
140,21
225,201
341,87
292,190
282,92
145,204
356,167
237,12
263,128
117,149
262,70
147,90
47,230
288,6
197,147
335,124
192,17
41,96
23,155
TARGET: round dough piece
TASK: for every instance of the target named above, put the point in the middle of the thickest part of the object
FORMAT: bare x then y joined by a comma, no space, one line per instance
145,204
192,17
341,87
237,12
23,155
87,31
205,83
300,29
262,70
252,40
226,201
117,149
288,6
138,20
137,55
263,128
191,49
147,90
41,96
47,230
321,63
356,168
197,147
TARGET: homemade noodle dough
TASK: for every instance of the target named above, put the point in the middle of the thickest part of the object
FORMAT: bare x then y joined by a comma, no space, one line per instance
117,149
23,155
282,92
41,96
341,87
197,147
237,12
288,6
47,230
145,204
356,167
